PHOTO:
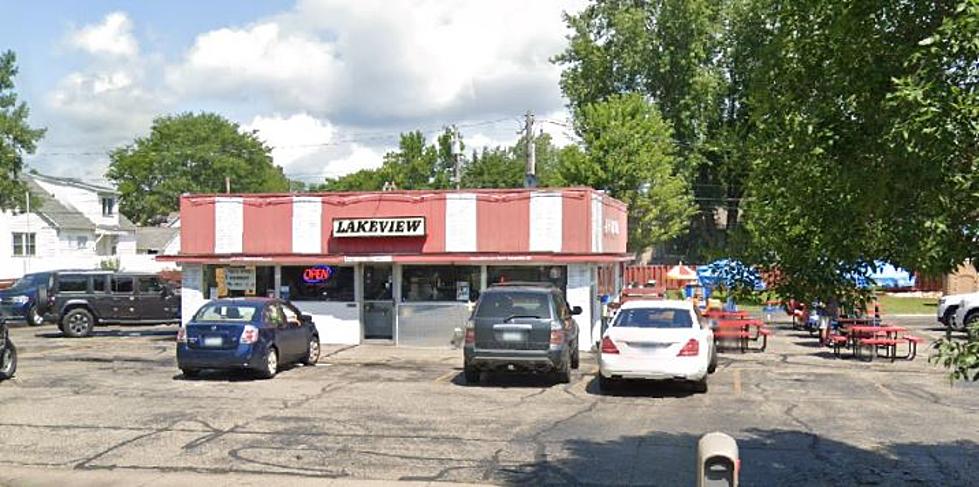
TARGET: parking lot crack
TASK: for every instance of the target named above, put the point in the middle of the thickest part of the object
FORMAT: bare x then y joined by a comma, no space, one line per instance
84,464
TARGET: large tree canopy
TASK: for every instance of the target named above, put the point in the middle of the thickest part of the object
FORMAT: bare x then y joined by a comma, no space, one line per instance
673,52
189,153
16,136
627,150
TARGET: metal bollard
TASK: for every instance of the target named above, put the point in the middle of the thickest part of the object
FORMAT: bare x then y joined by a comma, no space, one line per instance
718,461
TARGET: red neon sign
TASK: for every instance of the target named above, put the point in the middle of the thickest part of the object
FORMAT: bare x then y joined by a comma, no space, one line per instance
317,274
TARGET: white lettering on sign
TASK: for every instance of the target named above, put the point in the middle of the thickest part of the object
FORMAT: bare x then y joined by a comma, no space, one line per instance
413,226
611,227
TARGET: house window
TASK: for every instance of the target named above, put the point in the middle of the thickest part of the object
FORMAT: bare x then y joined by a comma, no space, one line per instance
108,206
25,244
81,242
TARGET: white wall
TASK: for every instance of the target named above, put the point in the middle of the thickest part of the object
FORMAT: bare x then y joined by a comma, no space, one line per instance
581,292
86,201
126,245
45,240
192,291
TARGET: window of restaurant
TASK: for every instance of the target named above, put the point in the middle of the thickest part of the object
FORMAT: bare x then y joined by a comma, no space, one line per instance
439,283
556,274
224,281
317,283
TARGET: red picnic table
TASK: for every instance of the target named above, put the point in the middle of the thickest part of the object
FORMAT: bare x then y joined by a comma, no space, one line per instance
875,336
719,314
740,330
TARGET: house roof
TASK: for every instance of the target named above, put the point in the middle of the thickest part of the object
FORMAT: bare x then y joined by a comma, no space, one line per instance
154,238
75,182
55,212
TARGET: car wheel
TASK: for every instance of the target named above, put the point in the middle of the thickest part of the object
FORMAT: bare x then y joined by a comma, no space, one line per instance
77,323
33,317
471,374
190,373
712,366
605,384
270,364
312,351
700,386
564,373
8,361
970,321
575,356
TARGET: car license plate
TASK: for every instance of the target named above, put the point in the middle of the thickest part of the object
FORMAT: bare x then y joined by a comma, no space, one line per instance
512,336
213,341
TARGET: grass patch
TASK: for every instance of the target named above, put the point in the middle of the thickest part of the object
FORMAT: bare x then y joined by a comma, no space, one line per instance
891,305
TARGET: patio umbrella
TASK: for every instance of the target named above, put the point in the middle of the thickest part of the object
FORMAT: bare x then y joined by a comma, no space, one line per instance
681,273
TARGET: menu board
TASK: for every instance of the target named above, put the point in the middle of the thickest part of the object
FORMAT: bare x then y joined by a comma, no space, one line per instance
240,279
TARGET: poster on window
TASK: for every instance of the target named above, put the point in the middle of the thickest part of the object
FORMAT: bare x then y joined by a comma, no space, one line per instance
240,279
462,291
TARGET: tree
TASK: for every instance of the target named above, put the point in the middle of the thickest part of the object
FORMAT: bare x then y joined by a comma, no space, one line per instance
16,136
506,167
678,54
189,153
628,151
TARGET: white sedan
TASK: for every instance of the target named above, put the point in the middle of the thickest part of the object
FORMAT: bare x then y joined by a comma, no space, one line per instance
657,340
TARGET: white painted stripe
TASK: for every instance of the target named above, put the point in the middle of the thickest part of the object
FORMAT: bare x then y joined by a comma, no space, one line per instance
307,225
597,219
460,222
229,215
546,219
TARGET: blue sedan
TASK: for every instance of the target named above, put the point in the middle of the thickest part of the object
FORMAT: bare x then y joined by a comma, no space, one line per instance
255,334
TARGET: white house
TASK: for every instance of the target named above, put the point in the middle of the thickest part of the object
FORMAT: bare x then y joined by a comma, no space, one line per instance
71,225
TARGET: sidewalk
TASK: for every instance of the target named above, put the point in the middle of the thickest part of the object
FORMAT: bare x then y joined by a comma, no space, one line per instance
58,477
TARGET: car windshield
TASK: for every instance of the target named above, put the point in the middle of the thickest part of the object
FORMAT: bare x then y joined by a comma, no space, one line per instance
29,280
505,305
225,312
654,318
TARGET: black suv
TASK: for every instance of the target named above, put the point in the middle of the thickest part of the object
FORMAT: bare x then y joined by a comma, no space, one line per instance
525,326
78,301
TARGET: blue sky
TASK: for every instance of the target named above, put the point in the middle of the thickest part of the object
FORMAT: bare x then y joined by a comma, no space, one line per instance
327,83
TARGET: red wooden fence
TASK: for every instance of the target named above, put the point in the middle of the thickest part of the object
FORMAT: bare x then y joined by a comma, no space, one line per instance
641,274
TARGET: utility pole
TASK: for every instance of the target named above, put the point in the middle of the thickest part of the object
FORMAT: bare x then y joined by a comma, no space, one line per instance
530,179
456,148
227,185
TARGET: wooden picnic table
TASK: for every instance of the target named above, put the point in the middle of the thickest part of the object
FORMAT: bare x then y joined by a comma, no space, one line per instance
718,314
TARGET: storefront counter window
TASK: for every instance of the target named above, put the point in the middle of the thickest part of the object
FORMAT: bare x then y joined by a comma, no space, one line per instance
232,281
556,274
439,283
317,283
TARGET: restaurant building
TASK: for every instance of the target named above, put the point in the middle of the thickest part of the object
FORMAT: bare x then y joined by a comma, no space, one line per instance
401,266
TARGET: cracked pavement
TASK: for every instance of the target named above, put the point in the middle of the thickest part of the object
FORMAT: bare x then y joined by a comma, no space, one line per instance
114,408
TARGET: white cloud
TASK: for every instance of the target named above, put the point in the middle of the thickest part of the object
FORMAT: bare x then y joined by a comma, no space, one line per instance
112,37
374,60
359,157
292,138
327,71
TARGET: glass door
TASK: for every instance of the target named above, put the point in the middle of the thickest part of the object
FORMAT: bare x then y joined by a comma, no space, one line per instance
379,311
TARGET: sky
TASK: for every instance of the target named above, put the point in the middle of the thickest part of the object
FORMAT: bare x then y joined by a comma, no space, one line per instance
327,84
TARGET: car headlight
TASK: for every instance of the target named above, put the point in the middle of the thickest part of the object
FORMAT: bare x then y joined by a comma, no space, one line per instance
20,299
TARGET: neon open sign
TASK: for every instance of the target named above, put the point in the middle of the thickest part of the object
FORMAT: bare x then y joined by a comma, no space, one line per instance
317,274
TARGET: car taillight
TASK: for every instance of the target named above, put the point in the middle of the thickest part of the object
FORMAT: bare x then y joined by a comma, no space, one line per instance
470,333
608,346
249,335
181,335
691,349
557,336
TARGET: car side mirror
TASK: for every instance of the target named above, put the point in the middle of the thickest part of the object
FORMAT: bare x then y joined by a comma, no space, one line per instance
307,318
575,311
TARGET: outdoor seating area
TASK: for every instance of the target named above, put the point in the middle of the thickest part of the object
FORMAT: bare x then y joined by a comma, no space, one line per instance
737,330
869,338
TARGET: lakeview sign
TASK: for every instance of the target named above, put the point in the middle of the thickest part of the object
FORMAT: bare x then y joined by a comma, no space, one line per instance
412,226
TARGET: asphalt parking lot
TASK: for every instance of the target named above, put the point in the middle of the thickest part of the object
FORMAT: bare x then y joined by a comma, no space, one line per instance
114,410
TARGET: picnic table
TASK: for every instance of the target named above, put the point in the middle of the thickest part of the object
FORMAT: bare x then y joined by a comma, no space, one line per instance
741,331
878,335
719,314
